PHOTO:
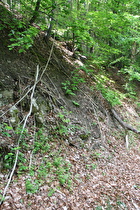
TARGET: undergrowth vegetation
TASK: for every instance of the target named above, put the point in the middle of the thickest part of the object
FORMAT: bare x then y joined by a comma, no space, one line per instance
43,164
40,159
72,85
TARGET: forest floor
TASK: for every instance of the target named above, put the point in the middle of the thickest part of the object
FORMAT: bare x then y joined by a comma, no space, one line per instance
100,179
101,173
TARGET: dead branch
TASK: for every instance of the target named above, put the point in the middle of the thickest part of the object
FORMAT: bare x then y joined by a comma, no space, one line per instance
31,155
123,124
23,127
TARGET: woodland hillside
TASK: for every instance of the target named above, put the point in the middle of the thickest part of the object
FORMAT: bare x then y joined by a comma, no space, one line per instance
69,105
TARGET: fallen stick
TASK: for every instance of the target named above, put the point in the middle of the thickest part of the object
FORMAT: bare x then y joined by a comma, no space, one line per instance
123,124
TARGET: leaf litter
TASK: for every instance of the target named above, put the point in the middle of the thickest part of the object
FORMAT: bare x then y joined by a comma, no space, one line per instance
109,181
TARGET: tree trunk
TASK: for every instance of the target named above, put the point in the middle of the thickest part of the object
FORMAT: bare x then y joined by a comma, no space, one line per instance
35,13
49,30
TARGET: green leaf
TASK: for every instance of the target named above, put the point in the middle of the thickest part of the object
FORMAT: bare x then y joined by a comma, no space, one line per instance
75,103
